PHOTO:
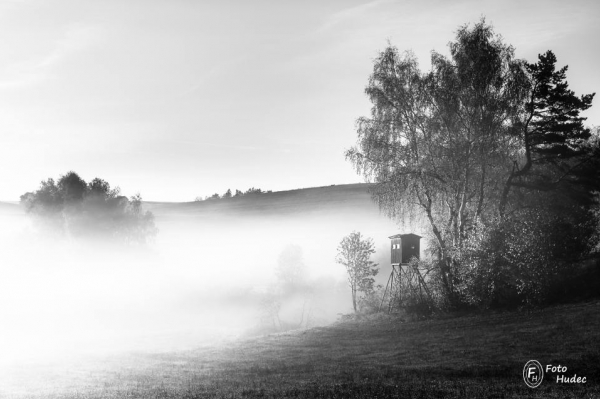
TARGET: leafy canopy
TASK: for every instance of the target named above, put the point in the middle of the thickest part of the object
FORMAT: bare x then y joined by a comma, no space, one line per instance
89,210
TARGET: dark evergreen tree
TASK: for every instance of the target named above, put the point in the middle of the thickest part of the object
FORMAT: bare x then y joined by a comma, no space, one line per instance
557,152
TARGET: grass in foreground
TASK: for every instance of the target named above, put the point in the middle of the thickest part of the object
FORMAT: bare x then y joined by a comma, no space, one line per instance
376,357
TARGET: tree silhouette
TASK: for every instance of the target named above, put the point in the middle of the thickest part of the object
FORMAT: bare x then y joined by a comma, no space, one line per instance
78,209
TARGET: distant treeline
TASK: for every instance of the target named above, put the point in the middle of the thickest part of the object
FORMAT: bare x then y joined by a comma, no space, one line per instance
229,194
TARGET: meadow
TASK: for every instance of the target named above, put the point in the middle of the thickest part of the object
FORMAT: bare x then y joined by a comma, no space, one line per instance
378,356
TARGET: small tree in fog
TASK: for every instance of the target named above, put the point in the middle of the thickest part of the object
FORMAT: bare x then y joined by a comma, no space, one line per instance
291,271
271,305
227,194
295,293
354,253
287,303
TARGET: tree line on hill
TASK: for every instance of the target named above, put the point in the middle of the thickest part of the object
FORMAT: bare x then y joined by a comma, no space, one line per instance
229,194
491,153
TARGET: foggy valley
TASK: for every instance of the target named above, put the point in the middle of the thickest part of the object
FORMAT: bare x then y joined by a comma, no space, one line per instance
200,281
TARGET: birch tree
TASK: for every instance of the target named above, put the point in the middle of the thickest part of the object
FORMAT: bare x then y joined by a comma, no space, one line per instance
466,141
354,253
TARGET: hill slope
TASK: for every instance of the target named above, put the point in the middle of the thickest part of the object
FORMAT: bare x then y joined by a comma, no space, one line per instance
10,208
336,198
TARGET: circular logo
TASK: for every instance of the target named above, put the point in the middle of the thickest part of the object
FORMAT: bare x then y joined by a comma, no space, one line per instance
533,373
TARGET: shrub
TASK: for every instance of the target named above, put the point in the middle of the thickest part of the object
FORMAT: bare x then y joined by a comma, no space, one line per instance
520,261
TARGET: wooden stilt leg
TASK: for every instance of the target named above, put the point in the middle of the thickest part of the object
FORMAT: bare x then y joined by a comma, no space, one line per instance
386,290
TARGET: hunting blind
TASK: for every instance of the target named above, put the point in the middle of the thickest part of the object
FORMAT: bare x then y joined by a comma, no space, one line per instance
405,247
405,279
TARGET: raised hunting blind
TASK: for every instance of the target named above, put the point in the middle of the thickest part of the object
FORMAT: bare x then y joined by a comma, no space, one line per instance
405,247
405,281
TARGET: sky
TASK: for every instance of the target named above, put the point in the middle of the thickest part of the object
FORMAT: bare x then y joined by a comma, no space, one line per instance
181,99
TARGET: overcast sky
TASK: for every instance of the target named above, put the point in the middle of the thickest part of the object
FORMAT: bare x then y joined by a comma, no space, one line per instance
177,99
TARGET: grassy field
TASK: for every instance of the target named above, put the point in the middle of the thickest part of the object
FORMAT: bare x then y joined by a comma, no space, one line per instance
379,356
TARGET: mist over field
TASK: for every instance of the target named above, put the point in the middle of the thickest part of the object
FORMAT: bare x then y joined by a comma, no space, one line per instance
200,281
